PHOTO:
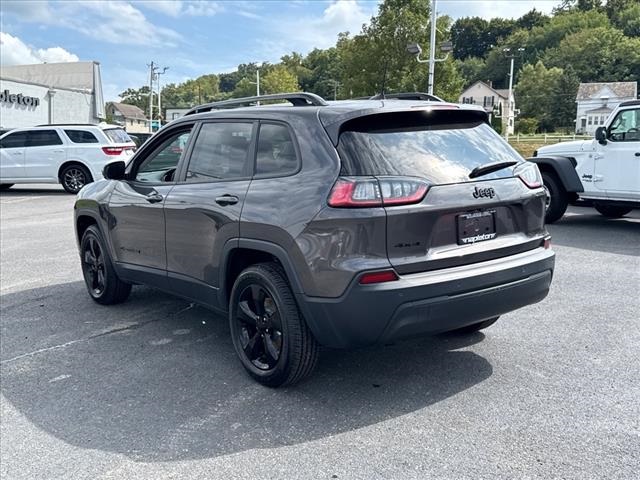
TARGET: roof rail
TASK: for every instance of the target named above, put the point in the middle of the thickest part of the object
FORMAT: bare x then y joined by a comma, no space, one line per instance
298,99
629,103
407,96
68,125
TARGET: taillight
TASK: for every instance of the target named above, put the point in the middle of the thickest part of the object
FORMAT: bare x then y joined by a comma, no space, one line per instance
529,174
353,192
547,243
378,277
113,150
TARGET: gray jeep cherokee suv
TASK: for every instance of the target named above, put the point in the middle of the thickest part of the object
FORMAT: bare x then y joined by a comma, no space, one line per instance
341,224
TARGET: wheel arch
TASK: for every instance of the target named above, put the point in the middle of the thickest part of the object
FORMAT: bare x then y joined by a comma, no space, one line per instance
84,221
564,169
68,163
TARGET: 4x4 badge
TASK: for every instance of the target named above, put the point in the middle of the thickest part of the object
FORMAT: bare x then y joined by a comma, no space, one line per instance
484,192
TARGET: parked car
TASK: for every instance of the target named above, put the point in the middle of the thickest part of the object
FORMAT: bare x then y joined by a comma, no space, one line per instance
603,172
72,155
343,224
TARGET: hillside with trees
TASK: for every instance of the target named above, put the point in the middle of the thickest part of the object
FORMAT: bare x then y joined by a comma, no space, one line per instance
581,41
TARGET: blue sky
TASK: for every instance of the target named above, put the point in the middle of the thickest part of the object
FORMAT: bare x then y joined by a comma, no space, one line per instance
194,37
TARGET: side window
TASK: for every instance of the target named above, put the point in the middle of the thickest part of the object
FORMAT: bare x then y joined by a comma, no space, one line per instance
221,152
625,126
276,152
81,136
43,138
15,140
161,164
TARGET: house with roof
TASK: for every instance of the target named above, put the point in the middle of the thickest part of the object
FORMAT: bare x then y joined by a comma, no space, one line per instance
596,101
130,117
491,99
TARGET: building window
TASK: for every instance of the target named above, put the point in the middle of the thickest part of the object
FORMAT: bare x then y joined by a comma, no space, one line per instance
590,120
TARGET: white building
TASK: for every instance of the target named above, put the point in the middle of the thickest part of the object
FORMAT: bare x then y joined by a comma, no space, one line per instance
597,100
175,113
491,99
50,93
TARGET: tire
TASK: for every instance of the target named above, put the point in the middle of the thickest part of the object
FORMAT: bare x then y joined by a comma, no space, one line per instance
6,186
102,281
73,177
269,334
610,211
475,327
557,197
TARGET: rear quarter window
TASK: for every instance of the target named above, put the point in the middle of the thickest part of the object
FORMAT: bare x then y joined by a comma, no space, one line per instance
117,135
437,149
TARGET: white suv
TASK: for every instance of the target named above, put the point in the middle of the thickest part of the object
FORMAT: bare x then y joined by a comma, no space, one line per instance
72,155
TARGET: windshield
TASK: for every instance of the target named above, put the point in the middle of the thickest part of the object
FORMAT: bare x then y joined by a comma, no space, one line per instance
117,135
440,153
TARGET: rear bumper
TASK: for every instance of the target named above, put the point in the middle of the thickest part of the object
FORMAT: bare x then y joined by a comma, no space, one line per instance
431,302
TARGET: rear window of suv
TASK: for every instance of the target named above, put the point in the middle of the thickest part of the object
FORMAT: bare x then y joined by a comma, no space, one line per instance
430,145
117,135
81,136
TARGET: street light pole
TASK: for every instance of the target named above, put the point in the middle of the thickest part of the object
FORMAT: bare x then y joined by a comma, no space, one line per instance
510,102
432,47
164,69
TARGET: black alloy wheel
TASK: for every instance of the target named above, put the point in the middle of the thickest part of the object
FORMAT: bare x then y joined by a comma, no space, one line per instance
101,279
74,177
269,334
260,329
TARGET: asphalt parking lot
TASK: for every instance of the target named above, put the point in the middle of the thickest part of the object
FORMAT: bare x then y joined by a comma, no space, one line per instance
152,389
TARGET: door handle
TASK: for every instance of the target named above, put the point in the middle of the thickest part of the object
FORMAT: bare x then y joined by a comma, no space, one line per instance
153,197
227,200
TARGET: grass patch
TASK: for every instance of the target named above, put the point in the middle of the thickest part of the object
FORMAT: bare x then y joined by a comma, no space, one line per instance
526,149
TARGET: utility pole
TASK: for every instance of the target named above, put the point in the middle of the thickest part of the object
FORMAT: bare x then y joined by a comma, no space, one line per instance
164,69
510,102
432,46
152,69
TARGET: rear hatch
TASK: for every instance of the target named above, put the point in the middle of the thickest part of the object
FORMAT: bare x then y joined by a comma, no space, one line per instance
120,143
417,165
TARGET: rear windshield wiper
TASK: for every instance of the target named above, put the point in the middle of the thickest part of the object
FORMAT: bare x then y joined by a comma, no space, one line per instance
490,168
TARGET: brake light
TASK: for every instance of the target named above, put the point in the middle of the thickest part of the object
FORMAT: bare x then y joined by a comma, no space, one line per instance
353,192
113,150
378,277
529,174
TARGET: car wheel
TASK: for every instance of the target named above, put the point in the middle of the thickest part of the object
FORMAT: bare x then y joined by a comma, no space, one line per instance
557,199
103,284
611,211
269,334
74,177
475,327
6,186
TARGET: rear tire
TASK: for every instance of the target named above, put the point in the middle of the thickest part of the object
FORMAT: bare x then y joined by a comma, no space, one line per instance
269,334
6,186
74,177
610,211
102,281
557,198
475,327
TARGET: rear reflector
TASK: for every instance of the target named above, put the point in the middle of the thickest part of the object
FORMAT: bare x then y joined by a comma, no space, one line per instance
113,150
378,277
353,192
547,243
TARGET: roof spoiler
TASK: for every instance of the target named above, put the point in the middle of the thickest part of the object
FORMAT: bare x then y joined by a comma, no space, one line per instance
407,96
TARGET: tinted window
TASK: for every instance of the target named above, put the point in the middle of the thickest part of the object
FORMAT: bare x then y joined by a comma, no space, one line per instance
276,152
43,138
626,126
161,165
15,140
81,136
422,146
221,151
117,135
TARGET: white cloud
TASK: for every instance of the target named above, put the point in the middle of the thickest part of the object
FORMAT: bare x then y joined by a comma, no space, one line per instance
178,8
14,51
488,9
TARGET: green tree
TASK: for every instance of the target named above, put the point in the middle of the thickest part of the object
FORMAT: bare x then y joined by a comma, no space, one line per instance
628,20
469,37
138,97
279,80
532,18
534,93
471,69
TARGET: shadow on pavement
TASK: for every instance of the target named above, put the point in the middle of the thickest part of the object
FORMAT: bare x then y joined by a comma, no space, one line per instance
156,378
592,231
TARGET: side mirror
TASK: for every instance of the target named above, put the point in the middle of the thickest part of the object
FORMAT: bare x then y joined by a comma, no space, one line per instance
114,170
601,135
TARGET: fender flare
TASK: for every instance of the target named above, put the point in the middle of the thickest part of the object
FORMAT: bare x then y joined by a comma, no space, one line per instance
564,168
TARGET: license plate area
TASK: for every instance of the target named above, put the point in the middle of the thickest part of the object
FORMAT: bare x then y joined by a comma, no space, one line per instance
476,227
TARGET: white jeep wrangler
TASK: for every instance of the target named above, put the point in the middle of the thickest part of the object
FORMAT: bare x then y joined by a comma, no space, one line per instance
603,172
